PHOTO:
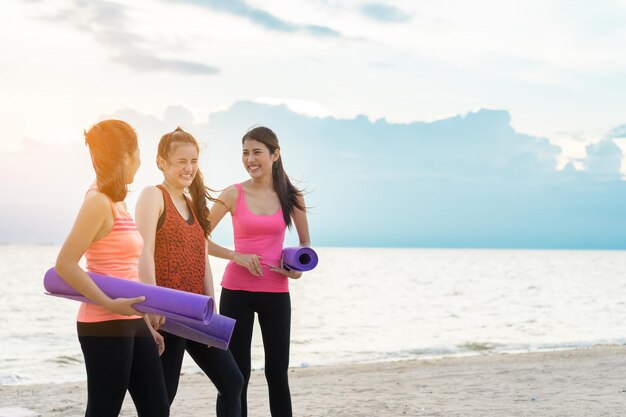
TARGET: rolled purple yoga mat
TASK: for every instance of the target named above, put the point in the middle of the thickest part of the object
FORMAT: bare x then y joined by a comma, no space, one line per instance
167,302
187,314
217,333
299,258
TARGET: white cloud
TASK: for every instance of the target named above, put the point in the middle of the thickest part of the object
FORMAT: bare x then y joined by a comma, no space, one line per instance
476,161
301,106
550,69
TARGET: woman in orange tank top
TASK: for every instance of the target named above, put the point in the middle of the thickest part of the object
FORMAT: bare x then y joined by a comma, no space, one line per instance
118,346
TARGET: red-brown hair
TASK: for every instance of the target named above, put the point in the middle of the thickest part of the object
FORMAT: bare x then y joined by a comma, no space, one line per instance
109,141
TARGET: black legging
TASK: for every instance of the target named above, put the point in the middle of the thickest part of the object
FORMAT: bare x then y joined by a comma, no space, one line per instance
274,311
121,355
217,364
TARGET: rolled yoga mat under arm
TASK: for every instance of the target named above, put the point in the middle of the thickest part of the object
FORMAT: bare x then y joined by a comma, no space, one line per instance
299,258
187,312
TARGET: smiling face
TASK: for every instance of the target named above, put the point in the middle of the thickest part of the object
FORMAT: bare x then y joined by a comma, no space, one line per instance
257,159
181,165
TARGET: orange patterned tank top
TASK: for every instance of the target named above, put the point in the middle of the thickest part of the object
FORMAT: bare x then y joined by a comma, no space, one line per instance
179,249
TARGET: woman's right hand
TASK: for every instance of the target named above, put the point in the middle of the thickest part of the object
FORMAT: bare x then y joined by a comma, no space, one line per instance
124,306
251,262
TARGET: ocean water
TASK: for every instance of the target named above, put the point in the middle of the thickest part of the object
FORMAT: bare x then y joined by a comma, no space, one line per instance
364,305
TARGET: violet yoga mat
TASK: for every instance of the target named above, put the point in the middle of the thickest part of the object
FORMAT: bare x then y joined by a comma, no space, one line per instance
166,302
216,333
188,313
299,258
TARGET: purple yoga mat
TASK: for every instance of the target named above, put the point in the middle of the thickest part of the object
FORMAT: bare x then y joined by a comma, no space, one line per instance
182,310
299,258
166,302
217,333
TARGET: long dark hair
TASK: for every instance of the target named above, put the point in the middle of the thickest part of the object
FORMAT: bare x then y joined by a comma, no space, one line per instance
199,192
287,193
109,141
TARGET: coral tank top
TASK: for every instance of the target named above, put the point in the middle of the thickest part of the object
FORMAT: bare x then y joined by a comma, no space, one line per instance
117,255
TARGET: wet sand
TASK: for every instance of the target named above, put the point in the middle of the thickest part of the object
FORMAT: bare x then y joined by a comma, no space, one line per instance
582,382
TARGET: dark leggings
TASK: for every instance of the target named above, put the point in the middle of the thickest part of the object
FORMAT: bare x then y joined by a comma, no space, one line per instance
217,364
274,311
121,355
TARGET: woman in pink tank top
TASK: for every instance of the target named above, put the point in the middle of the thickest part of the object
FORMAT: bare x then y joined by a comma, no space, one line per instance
261,209
118,346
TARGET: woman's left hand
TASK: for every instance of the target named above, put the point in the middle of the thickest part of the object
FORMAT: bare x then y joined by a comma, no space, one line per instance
286,272
158,339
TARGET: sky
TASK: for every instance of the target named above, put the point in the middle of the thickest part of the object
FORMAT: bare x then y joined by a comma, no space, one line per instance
425,123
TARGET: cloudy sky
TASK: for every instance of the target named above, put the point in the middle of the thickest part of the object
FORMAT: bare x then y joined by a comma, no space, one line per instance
526,92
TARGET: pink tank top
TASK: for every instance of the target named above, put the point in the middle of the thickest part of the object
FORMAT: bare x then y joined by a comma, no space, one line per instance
116,254
260,235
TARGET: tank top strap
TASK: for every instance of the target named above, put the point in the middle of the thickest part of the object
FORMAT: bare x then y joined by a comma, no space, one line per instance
116,211
114,208
240,197
169,207
191,209
119,213
167,200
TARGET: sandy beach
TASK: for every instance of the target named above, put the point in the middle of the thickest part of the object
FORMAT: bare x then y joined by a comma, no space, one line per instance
582,382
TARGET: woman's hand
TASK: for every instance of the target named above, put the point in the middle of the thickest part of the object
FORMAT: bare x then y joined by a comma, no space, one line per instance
251,262
155,321
124,306
158,339
289,273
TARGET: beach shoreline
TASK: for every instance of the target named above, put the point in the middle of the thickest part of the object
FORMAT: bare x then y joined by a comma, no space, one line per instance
576,382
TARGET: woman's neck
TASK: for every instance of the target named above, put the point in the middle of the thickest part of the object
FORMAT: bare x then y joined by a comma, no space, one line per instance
175,192
264,183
